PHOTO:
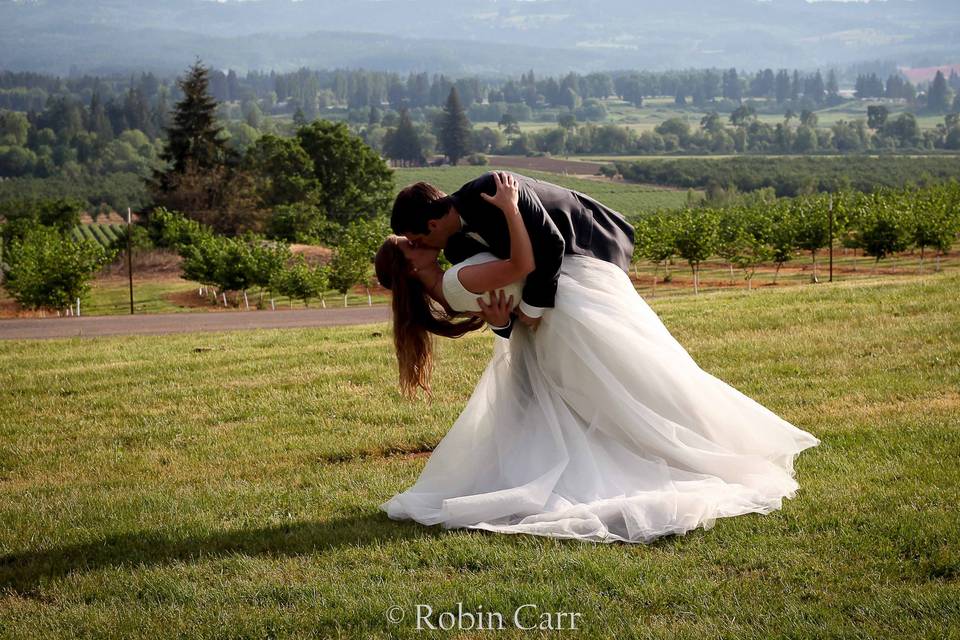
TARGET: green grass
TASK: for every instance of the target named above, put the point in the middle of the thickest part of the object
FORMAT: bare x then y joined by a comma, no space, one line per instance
629,199
149,490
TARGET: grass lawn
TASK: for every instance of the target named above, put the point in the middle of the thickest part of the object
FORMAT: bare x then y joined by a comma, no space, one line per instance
150,490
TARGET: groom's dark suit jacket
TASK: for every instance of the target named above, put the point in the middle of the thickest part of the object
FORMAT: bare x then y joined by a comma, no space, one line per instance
559,221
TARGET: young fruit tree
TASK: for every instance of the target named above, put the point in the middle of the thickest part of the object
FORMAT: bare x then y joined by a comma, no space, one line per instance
46,269
812,226
300,281
783,240
935,221
696,238
655,242
885,228
269,257
754,245
201,259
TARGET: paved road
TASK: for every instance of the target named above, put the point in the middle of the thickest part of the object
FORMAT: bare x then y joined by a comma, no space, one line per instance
159,323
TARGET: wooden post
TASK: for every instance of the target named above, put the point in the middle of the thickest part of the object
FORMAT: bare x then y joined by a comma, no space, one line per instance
129,259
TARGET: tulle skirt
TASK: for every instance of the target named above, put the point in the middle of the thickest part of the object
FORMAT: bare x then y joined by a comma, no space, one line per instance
599,426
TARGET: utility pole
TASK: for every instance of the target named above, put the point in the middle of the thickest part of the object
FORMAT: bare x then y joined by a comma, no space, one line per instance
831,237
130,258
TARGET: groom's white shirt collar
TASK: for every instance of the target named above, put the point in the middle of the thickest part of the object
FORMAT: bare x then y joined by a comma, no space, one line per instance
473,234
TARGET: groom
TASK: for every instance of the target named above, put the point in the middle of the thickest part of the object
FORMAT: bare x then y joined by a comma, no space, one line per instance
558,220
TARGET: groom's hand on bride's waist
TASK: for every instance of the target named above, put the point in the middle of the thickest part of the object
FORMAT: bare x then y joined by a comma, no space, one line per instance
496,312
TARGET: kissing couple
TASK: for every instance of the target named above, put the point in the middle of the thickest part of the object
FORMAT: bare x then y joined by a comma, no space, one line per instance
590,420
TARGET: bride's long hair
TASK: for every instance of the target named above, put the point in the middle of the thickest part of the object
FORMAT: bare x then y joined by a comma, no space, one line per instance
416,318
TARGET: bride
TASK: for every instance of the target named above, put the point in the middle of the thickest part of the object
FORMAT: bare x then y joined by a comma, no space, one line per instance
597,426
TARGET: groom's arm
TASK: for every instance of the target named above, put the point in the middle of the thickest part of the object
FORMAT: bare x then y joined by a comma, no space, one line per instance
547,242
503,332
540,289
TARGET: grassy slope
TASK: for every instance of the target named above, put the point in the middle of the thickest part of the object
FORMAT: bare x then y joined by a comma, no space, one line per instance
149,490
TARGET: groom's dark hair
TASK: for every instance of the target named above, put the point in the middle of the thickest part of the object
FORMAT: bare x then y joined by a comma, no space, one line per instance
415,205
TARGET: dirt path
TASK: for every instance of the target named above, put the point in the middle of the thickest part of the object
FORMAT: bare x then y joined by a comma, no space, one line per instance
160,323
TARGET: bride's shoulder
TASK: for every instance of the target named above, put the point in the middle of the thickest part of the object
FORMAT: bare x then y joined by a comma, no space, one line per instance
477,258
451,281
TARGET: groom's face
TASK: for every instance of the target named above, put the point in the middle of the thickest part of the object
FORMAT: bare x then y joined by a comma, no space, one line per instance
439,231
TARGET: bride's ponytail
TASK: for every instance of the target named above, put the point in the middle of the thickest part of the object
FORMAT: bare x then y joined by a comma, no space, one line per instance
415,318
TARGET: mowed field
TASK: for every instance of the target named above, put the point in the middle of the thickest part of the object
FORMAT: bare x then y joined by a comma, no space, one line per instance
150,489
632,200
656,110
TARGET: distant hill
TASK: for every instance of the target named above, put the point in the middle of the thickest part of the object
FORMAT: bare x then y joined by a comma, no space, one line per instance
473,36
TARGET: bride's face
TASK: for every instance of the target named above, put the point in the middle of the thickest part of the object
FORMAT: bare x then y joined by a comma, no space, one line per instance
419,257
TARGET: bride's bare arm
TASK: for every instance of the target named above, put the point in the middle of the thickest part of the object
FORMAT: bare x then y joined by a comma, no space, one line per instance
488,276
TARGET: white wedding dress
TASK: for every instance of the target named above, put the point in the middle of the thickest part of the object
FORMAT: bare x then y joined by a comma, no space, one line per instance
599,426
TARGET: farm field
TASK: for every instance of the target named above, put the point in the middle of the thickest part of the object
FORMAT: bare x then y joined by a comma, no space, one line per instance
609,158
629,199
238,487
656,110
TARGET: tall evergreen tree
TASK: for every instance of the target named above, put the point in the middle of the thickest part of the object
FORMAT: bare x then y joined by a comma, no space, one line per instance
455,129
403,143
202,177
193,136
938,98
782,86
99,123
731,85
817,88
833,86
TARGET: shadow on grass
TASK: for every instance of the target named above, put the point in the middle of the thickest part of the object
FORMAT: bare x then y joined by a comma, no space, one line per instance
24,572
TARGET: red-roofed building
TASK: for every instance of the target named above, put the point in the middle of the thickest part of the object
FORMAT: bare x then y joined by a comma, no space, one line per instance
926,74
